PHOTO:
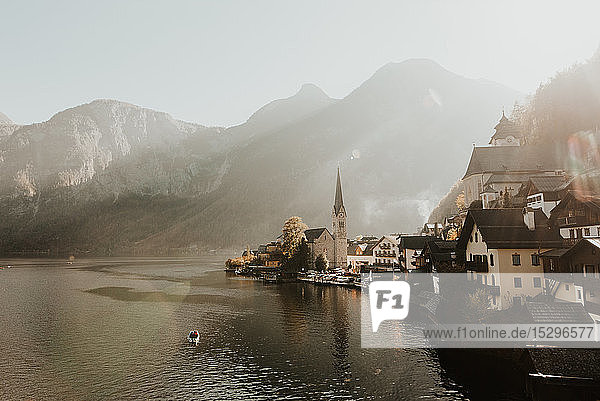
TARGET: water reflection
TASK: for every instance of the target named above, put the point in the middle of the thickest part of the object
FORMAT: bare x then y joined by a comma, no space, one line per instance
115,328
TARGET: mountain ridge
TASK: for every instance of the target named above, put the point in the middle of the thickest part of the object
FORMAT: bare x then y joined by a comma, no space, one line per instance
132,178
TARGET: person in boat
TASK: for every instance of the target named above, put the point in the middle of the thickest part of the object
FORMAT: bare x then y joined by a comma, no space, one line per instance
193,334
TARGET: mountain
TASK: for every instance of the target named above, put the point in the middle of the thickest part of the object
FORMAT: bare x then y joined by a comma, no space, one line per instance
78,143
279,113
7,127
4,119
110,177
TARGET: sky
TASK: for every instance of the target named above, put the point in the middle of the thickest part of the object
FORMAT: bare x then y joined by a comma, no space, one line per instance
216,62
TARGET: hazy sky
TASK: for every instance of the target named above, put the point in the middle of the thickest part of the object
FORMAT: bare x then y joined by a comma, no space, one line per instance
216,62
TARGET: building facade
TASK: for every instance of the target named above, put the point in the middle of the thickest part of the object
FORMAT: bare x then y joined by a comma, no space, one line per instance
502,251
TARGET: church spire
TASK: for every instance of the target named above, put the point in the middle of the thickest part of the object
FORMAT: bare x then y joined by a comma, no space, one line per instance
339,201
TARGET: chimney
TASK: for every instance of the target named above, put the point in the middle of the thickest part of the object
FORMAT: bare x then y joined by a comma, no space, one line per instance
529,218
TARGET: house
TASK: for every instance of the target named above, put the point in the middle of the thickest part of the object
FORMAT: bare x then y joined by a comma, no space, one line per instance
385,252
360,253
410,247
269,254
320,242
577,216
432,229
438,256
545,192
502,252
573,274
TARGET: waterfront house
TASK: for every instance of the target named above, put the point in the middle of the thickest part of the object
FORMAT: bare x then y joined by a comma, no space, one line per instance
386,252
360,254
502,251
438,256
410,247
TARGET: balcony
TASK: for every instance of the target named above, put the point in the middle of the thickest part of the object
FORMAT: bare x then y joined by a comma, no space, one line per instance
571,221
479,266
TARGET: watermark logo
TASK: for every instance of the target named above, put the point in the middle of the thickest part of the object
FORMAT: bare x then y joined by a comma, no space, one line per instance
389,301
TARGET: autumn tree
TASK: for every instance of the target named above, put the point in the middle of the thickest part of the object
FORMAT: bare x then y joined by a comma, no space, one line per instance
460,202
293,232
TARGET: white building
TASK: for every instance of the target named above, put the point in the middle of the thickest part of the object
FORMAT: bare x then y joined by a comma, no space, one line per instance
502,248
385,252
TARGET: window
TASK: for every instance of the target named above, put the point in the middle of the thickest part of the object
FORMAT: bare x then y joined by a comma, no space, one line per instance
476,237
579,232
571,233
535,259
566,287
494,301
586,232
518,283
516,259
537,282
493,280
471,239
491,259
579,295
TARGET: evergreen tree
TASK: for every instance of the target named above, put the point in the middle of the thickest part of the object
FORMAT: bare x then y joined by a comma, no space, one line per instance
321,263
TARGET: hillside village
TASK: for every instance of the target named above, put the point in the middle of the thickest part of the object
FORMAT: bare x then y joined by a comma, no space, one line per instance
529,212
527,237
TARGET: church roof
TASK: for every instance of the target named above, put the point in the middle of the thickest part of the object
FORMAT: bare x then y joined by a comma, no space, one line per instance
501,178
514,159
339,201
313,233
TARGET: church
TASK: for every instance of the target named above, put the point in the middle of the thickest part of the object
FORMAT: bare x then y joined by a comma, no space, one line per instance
332,245
507,163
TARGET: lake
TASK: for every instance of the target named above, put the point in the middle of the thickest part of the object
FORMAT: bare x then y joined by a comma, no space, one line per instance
116,328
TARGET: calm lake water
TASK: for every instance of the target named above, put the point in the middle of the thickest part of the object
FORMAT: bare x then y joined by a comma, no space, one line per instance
116,328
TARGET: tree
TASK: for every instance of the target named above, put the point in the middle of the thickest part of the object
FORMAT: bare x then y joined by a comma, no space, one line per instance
321,263
293,232
460,202
299,260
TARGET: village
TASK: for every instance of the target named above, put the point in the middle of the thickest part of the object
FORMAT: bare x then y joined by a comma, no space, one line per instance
523,209
526,235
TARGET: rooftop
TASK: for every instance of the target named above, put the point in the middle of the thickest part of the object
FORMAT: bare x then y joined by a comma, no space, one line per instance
313,233
505,228
514,159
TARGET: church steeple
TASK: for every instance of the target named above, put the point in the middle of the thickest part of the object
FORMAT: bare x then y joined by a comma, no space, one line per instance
339,201
338,217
